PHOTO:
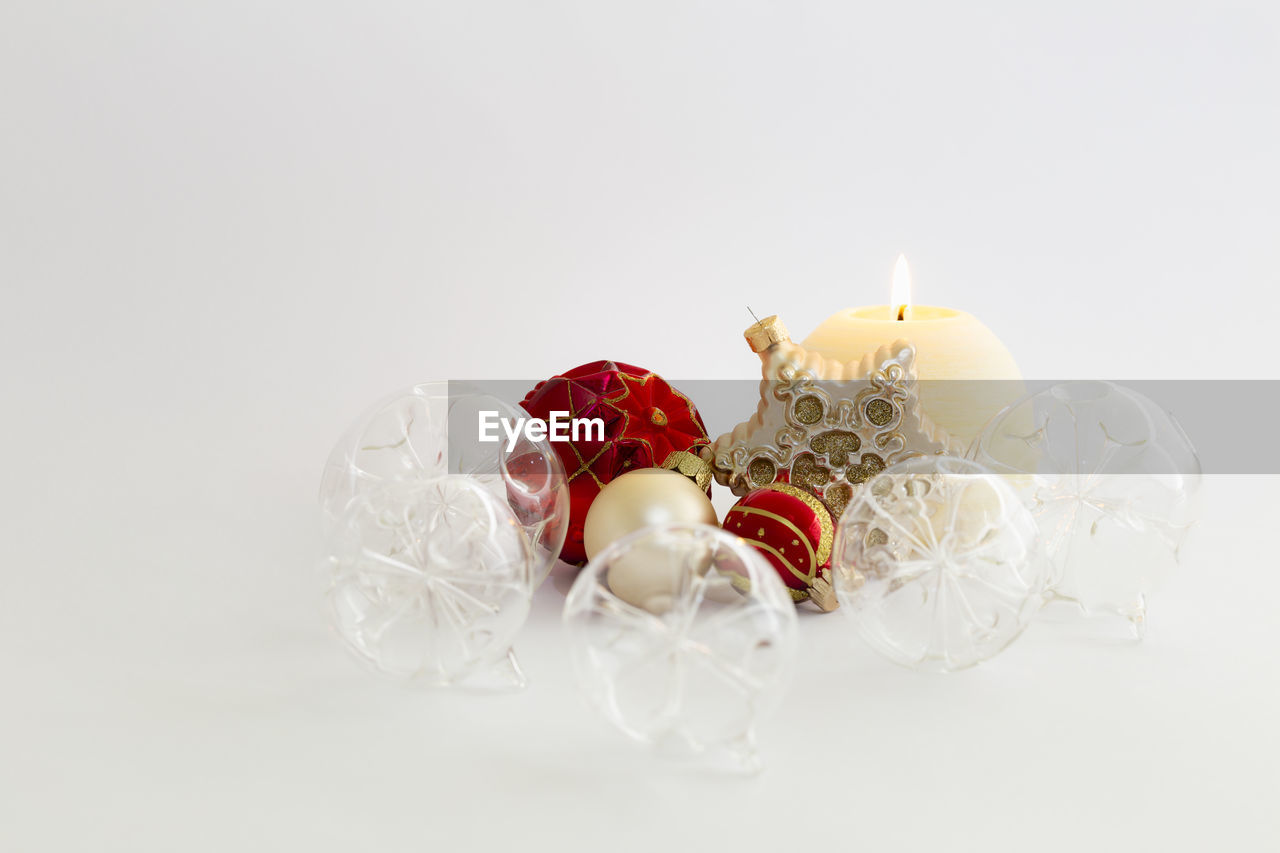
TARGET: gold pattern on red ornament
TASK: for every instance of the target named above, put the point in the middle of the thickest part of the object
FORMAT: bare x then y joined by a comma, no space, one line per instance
793,531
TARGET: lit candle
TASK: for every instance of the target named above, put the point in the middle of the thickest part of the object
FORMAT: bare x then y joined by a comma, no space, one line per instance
949,344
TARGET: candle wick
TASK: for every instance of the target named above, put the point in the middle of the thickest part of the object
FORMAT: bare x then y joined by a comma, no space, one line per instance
902,312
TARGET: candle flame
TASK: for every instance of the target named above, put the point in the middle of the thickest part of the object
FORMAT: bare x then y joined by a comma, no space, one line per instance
901,300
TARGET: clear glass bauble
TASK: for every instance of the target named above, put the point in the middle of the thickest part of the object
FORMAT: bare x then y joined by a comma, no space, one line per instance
1111,480
431,430
935,564
431,581
693,671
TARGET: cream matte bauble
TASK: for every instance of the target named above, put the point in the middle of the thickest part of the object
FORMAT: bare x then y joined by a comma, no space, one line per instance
654,574
643,498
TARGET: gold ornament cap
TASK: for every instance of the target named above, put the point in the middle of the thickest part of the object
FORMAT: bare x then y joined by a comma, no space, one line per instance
765,333
690,465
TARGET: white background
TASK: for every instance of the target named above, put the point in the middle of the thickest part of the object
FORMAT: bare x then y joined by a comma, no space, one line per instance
225,228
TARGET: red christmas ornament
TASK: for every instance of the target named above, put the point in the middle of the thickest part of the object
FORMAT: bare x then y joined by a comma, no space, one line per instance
645,421
793,530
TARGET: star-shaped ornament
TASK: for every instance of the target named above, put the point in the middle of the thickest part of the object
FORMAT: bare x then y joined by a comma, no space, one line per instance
825,426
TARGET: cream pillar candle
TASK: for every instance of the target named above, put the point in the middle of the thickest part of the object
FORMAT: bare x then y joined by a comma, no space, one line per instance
949,344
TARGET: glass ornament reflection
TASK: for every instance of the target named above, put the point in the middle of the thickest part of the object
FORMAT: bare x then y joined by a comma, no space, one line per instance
1111,479
431,581
430,430
936,564
693,670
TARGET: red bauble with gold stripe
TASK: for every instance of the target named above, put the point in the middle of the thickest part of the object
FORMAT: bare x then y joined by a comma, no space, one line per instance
645,421
790,527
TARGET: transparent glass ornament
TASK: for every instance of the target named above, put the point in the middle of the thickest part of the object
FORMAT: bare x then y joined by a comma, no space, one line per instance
1111,480
431,581
431,430
936,565
693,672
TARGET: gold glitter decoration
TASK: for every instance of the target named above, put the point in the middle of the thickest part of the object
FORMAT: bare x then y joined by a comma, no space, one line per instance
837,445
808,409
762,472
805,471
657,417
837,498
879,412
866,469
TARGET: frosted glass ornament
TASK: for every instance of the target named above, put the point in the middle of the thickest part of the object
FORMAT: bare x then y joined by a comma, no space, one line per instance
430,430
431,581
936,565
692,674
1111,480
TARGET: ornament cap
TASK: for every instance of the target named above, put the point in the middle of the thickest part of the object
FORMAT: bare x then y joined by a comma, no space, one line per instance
766,333
691,465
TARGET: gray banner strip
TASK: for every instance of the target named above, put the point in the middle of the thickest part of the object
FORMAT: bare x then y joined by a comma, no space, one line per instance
1230,423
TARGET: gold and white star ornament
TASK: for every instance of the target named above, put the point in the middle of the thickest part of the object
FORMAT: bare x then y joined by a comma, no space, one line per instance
825,426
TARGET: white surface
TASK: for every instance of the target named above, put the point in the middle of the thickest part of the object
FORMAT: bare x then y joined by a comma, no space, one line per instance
224,230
